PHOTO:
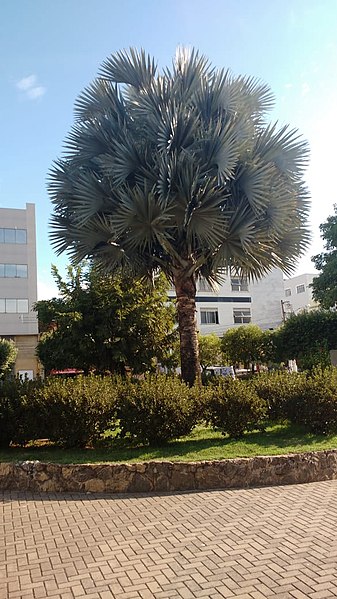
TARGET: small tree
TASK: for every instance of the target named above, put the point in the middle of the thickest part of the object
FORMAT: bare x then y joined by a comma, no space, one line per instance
324,286
308,337
209,350
246,344
106,323
8,353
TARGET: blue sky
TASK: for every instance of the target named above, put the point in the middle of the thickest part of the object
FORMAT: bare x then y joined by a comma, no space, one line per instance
51,49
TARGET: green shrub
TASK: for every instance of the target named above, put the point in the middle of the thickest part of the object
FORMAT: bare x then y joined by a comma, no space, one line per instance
156,409
282,392
10,412
319,402
18,419
234,407
75,412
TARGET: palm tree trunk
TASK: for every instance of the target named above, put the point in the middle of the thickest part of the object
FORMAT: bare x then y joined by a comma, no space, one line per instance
189,348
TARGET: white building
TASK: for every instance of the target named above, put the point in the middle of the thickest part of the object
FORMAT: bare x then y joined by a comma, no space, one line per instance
18,285
298,294
238,302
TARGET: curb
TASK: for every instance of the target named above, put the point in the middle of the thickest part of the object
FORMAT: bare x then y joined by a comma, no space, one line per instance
156,477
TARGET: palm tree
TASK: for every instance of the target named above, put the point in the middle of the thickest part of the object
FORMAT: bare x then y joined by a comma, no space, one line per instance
179,171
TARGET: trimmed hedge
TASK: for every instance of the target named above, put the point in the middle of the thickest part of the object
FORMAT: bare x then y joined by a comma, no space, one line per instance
77,412
157,409
318,408
17,413
234,407
283,393
70,412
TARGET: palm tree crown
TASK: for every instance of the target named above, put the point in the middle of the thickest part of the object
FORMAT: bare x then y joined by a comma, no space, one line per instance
179,171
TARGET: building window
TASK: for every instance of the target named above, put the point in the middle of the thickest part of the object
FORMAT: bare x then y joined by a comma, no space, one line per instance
19,271
13,306
209,317
13,235
239,284
242,316
300,289
288,292
204,285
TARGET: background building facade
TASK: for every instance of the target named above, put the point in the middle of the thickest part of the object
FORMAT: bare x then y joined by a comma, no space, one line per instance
18,285
298,294
237,301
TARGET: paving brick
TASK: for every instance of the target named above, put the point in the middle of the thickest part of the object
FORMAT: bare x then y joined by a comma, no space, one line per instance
276,542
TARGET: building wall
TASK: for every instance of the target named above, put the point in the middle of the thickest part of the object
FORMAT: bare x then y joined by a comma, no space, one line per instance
298,294
27,362
266,297
19,293
259,303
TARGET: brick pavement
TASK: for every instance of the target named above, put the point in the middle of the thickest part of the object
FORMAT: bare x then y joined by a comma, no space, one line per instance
276,542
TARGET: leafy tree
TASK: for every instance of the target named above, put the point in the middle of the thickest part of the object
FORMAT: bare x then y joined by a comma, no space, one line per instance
324,286
105,323
307,337
179,171
8,353
247,344
209,350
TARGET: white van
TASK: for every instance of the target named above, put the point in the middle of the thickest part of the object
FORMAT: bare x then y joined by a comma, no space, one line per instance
220,371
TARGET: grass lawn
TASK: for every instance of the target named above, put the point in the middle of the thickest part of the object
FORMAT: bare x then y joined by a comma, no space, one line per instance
201,444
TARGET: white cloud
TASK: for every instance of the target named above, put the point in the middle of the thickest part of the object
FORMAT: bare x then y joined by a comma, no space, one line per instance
288,85
30,87
36,92
26,82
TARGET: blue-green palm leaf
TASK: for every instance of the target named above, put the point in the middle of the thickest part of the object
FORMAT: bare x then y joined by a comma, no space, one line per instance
178,170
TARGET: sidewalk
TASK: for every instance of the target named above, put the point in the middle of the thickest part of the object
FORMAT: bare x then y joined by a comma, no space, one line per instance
276,542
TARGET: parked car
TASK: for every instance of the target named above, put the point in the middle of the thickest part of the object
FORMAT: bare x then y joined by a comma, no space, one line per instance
220,371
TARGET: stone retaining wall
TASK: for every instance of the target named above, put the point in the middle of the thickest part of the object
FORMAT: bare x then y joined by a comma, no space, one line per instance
169,476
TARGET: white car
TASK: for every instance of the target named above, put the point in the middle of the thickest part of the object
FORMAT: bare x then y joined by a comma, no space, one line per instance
220,371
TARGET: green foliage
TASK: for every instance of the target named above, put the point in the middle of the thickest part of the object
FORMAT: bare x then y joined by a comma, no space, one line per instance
247,344
18,418
105,323
8,353
234,407
156,409
10,413
324,286
69,412
318,408
281,392
316,356
310,400
75,412
209,350
308,337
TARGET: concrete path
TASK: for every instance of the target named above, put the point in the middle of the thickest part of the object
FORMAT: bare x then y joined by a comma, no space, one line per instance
276,542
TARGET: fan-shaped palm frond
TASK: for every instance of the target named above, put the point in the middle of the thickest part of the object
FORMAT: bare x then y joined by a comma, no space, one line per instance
284,148
141,219
255,180
206,218
134,68
177,129
193,137
255,97
101,99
